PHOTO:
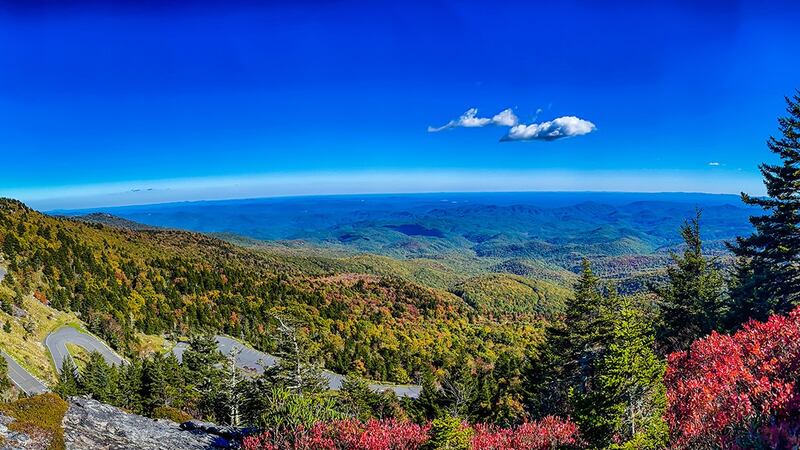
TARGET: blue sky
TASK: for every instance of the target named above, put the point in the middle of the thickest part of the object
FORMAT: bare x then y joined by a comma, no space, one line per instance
136,102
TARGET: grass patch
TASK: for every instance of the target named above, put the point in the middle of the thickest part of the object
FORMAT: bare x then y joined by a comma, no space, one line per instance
150,343
28,348
79,355
170,413
41,414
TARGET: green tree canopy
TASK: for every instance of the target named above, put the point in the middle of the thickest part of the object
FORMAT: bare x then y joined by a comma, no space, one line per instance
691,302
768,277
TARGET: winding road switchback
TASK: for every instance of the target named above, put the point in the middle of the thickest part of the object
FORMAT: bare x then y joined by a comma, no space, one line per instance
21,378
254,361
57,341
248,358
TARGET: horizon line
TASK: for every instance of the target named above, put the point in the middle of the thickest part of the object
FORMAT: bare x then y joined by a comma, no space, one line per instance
379,194
149,192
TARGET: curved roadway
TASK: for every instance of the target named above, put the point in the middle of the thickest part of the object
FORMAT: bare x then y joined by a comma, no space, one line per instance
248,358
21,378
57,341
254,361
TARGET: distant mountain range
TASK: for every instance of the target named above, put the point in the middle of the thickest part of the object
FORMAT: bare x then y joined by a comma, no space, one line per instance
534,235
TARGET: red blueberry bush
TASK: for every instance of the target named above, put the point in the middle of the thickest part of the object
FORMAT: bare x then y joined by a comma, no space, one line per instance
548,433
344,435
393,435
738,391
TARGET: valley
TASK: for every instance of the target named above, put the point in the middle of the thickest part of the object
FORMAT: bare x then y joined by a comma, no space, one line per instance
445,241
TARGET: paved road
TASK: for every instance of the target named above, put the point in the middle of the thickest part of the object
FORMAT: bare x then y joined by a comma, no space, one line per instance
26,382
57,341
254,361
248,358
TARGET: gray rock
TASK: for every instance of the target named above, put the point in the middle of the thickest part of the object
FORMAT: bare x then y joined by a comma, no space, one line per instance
15,440
90,424
18,312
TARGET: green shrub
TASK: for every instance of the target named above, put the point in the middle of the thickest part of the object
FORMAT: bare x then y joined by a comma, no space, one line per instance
449,434
41,414
170,413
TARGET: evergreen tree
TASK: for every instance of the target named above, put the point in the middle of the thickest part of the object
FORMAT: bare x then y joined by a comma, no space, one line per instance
231,396
67,384
691,302
175,382
94,378
630,399
586,393
500,391
431,402
583,339
203,375
202,354
154,384
296,370
114,393
356,399
564,376
130,386
768,279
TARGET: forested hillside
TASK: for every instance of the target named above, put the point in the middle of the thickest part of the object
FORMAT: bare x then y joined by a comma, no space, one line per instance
538,235
163,281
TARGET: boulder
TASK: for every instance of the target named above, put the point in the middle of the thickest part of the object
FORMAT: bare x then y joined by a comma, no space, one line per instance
90,424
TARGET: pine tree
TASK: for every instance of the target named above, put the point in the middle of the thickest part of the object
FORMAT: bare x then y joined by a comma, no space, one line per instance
130,386
67,384
355,398
630,396
768,279
154,384
296,370
587,328
691,302
233,386
94,378
175,381
564,374
585,394
575,340
202,375
202,354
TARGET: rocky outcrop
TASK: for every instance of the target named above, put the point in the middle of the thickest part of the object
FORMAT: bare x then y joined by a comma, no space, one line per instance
28,439
90,424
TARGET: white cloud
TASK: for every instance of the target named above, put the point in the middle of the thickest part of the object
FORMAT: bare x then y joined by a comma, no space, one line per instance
470,119
562,127
505,118
713,164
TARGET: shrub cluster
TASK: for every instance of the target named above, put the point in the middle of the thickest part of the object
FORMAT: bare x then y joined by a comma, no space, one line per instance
391,434
738,390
